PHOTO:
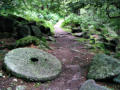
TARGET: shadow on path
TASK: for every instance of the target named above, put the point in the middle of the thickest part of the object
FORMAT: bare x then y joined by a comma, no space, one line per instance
74,57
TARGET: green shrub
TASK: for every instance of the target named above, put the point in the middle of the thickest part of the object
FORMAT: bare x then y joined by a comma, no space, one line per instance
81,40
41,43
54,18
27,41
2,54
72,20
94,21
117,55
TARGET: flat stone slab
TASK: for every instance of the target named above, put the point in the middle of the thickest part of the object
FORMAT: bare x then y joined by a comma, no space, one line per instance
79,34
91,85
32,64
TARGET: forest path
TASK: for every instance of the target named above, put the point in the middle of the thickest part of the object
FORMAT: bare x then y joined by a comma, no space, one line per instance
58,29
74,57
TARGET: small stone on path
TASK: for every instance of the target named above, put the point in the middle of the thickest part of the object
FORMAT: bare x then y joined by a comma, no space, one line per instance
21,87
9,88
103,66
79,34
91,85
1,74
15,80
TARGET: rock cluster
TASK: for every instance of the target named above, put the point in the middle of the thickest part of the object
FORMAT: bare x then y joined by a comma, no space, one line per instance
19,27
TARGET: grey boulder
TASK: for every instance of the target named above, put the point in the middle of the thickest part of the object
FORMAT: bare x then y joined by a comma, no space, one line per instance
21,87
79,34
91,85
103,66
36,31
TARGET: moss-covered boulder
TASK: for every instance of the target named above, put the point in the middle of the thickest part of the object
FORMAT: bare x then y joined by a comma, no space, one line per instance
103,66
19,27
76,30
118,47
26,28
23,31
32,64
45,30
91,85
36,31
6,23
27,41
117,55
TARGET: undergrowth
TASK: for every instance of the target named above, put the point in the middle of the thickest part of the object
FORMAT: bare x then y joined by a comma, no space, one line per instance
100,31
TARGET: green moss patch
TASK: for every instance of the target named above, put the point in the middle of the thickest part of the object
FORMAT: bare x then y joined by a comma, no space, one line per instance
27,41
103,66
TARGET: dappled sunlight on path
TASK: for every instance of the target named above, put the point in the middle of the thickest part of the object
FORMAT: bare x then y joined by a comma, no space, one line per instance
74,58
58,29
57,25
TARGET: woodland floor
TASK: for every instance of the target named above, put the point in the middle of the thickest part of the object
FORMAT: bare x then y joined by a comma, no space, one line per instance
75,60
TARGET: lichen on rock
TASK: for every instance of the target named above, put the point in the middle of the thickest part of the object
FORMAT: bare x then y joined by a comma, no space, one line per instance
91,85
32,64
103,66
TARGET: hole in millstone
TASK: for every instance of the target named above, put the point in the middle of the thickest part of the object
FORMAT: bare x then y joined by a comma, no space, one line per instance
34,59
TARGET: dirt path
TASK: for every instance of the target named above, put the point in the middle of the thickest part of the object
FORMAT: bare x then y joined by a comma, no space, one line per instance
58,29
74,58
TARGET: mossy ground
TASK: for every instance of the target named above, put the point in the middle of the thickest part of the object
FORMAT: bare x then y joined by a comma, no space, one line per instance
27,41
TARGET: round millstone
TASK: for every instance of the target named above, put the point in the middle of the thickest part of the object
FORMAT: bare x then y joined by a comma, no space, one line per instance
32,64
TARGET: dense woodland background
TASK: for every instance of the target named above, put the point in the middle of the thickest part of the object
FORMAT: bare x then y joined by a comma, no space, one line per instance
95,23
97,19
